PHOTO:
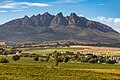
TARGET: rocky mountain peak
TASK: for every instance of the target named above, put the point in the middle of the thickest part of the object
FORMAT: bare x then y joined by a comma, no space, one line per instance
46,18
25,17
73,19
59,19
73,15
46,14
60,14
26,21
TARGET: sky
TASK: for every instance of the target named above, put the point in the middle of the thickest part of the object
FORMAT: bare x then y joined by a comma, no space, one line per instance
104,11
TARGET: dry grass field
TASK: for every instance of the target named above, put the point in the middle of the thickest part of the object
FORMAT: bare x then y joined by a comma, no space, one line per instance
110,51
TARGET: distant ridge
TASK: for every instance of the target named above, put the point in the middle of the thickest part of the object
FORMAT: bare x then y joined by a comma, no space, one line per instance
46,27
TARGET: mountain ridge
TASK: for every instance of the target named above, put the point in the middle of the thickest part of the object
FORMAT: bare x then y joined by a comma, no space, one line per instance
45,27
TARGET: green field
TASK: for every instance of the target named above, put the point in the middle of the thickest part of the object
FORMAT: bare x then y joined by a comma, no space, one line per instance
46,51
28,69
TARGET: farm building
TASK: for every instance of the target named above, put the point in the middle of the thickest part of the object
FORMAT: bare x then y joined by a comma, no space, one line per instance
116,57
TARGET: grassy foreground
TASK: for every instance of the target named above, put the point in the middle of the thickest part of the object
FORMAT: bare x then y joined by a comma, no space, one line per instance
28,69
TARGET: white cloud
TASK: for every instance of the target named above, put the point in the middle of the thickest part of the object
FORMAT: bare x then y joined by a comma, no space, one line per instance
117,22
7,6
81,15
68,1
31,4
110,19
11,5
9,0
3,11
101,18
101,4
113,22
17,10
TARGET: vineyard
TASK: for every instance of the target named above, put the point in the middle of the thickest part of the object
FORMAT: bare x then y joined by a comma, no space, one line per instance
28,69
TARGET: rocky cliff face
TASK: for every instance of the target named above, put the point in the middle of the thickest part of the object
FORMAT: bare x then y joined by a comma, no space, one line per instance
56,27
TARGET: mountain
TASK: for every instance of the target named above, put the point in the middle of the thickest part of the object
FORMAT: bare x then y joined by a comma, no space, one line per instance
48,27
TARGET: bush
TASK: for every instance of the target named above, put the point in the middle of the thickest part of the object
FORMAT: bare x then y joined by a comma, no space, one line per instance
25,55
93,61
41,59
16,57
75,56
84,60
4,60
36,58
66,59
47,58
33,55
60,59
109,61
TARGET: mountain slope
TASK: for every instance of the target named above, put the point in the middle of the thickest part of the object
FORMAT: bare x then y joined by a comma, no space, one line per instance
47,27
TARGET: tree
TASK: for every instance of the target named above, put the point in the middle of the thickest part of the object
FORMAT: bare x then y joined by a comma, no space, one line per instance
47,58
66,59
16,57
75,56
109,61
13,50
4,60
2,50
36,58
60,59
93,60
56,54
5,52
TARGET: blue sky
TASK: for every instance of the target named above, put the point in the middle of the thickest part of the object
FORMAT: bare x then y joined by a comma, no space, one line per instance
105,11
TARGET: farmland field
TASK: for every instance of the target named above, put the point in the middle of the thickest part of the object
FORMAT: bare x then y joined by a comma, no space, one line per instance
28,69
109,51
49,50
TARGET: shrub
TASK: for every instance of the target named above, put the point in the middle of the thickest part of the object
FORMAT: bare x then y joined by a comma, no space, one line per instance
16,57
66,59
47,58
93,61
60,59
109,61
84,60
36,58
33,55
4,60
41,59
25,55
